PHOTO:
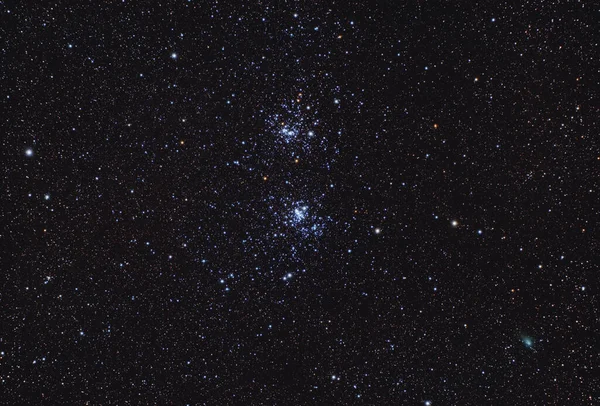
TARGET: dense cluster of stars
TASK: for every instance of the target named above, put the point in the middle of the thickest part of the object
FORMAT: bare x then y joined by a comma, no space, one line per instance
217,203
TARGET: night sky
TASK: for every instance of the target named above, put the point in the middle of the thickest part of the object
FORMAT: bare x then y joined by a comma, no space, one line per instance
300,203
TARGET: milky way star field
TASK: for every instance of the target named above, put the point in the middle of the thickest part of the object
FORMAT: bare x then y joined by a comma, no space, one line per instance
300,203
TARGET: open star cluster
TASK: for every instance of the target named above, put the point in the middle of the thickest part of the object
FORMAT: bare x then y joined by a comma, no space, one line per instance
299,203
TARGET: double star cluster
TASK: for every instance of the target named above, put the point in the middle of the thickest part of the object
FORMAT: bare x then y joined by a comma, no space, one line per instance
299,203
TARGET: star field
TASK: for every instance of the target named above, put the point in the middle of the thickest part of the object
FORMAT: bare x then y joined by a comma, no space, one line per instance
300,203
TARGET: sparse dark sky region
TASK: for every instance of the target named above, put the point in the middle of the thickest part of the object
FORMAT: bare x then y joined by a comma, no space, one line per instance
300,203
